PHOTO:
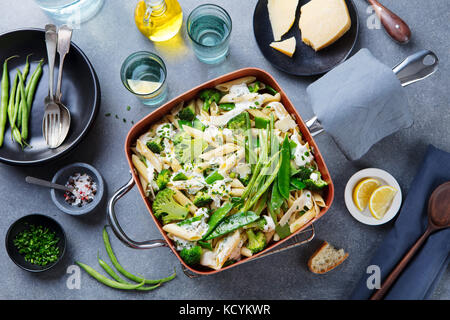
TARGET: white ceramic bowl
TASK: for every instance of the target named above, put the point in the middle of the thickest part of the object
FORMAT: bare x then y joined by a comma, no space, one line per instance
365,216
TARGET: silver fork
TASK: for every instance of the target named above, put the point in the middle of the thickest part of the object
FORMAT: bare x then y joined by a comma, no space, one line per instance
51,124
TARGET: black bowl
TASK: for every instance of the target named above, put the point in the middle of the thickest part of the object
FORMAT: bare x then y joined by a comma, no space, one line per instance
21,225
305,62
80,93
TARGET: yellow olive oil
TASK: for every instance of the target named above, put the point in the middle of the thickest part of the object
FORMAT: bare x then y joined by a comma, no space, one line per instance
158,20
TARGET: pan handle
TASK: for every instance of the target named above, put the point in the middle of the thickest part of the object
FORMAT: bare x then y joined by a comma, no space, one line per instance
314,126
118,231
416,67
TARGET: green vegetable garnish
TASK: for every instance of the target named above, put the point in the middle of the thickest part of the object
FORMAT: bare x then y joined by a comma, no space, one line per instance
38,245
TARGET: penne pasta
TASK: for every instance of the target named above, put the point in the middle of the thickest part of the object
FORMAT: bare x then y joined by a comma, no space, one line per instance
219,151
225,87
184,201
150,156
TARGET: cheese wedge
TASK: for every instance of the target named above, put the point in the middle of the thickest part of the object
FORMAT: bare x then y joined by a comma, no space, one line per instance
282,16
322,22
286,46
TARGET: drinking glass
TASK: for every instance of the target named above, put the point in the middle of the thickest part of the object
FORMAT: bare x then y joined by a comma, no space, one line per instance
209,27
72,12
144,74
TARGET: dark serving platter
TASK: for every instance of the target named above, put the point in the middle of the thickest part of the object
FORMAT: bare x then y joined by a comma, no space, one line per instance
80,93
305,61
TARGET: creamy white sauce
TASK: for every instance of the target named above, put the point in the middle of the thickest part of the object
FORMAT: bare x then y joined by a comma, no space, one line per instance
253,101
270,226
243,169
302,154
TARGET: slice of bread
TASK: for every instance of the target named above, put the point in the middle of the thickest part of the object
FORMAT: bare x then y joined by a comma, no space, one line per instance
326,258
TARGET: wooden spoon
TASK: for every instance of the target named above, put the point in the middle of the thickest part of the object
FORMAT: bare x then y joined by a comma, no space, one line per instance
394,25
438,218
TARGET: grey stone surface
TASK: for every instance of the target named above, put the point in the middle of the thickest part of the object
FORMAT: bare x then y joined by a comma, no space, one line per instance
107,40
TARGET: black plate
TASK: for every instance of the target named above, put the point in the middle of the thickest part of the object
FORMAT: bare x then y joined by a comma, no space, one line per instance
80,93
23,224
305,61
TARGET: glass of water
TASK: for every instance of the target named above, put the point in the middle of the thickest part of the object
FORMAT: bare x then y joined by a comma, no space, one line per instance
144,74
209,27
71,12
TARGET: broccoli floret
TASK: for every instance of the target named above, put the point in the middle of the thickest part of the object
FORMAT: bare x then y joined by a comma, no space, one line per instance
240,122
303,173
192,255
202,199
316,182
188,112
208,96
167,208
256,242
156,145
163,179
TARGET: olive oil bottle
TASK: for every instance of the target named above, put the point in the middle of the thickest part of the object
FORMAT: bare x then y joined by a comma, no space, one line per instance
158,20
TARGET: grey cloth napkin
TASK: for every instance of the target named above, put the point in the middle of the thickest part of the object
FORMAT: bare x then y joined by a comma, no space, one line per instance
359,102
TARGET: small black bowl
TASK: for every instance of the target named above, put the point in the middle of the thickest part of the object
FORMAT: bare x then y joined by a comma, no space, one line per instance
21,225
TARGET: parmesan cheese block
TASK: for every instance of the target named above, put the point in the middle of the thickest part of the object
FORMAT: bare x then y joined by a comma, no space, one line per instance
282,16
322,22
286,46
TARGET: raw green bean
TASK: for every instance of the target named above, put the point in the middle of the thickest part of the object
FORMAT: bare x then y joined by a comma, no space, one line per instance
127,274
23,107
4,99
17,111
106,281
12,100
26,70
33,84
116,277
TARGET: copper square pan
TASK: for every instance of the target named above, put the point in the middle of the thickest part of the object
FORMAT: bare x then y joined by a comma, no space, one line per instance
143,125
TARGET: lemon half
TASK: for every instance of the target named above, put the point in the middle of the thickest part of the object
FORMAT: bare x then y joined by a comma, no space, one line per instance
363,191
380,201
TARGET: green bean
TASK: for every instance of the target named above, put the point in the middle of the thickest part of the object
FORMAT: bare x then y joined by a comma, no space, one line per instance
12,100
26,70
32,84
23,107
4,99
12,112
114,275
127,274
106,281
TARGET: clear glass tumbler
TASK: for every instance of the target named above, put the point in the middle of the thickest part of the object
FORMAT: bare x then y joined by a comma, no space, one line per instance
209,27
144,74
71,12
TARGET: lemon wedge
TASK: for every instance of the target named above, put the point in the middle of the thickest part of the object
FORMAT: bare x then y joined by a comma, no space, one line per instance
362,192
381,200
143,86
